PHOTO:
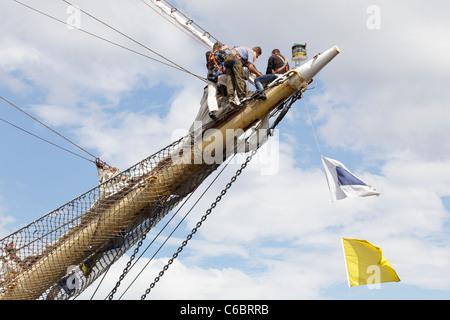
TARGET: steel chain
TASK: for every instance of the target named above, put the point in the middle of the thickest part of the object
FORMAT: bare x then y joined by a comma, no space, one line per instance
132,257
199,224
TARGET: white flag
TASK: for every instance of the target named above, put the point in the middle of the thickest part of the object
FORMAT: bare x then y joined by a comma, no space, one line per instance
343,183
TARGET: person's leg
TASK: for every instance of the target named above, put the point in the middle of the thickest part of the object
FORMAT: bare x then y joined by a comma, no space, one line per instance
259,87
229,63
264,79
258,84
212,99
240,79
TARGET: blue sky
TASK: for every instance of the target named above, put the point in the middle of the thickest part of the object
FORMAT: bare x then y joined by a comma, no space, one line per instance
381,108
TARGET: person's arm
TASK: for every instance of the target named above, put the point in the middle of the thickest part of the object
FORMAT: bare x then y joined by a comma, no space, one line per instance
253,69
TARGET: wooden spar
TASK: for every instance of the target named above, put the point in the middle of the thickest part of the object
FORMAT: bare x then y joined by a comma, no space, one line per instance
74,248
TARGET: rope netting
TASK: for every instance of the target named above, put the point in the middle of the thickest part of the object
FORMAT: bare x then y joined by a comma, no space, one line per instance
62,253
59,255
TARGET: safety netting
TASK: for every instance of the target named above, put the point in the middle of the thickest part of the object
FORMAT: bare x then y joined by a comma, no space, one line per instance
59,255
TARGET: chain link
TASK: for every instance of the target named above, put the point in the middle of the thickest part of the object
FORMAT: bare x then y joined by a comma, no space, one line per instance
199,224
127,267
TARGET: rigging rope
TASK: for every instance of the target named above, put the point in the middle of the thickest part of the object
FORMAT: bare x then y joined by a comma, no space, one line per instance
99,37
29,115
137,42
312,127
173,65
12,124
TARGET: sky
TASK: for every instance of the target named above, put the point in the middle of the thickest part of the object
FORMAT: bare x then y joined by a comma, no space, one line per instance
380,107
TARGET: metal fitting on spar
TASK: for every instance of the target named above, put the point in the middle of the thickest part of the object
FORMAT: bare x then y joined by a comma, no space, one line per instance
308,70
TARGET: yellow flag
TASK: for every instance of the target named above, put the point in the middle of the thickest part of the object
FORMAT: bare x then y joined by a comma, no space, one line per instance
365,263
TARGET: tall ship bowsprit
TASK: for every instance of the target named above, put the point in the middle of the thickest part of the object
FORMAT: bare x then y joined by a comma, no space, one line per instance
61,254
